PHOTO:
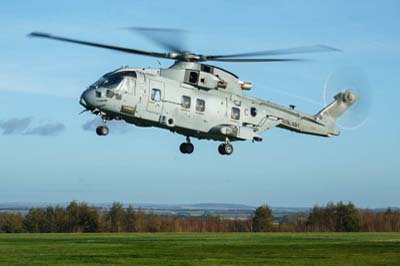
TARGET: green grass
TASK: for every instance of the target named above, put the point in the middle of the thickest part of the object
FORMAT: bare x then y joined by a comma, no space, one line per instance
201,249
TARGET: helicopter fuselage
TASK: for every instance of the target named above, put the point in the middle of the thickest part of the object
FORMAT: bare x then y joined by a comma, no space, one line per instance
175,99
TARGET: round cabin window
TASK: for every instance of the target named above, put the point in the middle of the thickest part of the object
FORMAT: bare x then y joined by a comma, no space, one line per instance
253,111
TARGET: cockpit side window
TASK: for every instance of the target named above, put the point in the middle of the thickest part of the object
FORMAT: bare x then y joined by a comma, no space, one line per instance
110,82
113,82
128,74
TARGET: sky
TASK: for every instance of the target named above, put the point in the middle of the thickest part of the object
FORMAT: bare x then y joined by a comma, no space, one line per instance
49,153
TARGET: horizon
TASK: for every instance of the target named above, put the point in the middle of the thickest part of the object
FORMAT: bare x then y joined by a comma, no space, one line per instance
151,205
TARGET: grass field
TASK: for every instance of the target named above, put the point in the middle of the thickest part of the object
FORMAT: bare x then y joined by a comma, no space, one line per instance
201,249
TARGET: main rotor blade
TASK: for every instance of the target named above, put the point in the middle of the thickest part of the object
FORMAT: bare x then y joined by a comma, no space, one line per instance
172,40
294,50
257,60
105,46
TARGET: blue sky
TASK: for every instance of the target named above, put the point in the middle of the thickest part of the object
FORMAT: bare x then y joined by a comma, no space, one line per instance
50,158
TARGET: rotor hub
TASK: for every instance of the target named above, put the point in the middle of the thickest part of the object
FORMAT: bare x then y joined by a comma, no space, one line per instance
349,97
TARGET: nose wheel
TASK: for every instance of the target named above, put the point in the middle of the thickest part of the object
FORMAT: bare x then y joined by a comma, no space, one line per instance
186,147
103,130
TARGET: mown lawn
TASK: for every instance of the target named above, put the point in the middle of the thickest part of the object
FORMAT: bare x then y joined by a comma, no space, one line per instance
201,249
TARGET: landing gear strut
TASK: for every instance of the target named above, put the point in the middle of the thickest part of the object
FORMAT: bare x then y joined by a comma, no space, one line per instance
225,148
103,130
186,147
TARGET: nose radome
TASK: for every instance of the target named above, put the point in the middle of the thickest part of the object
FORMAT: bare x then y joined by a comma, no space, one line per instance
88,98
83,102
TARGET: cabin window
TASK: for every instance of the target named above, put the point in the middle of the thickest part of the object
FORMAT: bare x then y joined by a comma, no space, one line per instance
235,113
200,105
185,102
155,95
253,111
193,77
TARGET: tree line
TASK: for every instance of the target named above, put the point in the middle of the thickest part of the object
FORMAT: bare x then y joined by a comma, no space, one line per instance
79,217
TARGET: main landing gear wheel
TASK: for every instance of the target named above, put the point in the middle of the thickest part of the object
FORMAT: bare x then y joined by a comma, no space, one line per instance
225,149
186,147
102,130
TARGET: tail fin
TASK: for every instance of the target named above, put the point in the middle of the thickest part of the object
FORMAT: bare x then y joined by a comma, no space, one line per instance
343,101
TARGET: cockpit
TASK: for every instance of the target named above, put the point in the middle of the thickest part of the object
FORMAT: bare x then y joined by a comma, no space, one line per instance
111,85
113,80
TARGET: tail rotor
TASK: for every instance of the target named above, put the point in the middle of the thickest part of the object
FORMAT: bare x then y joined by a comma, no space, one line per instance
352,83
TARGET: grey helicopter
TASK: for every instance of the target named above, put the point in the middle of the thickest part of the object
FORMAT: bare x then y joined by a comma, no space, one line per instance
200,100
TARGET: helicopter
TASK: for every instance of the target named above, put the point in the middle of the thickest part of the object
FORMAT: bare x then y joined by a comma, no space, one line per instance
200,100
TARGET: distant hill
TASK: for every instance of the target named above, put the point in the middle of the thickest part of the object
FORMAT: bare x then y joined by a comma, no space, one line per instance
203,206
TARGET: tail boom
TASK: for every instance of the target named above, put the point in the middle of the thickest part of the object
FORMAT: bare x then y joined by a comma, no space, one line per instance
328,115
324,122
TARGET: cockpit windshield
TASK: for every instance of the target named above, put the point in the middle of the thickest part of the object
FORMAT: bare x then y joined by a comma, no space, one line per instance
111,81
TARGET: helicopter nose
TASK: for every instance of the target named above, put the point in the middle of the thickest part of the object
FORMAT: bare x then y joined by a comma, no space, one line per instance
88,99
83,102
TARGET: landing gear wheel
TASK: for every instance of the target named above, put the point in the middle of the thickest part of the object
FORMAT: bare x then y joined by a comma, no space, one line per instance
186,148
102,130
221,149
228,149
225,149
189,148
182,148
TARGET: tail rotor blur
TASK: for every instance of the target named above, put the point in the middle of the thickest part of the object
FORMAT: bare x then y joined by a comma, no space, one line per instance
353,83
